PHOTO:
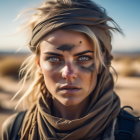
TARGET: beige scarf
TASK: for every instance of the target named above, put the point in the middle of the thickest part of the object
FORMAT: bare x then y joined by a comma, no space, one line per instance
104,106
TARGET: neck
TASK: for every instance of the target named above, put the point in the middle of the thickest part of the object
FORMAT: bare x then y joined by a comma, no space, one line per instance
69,112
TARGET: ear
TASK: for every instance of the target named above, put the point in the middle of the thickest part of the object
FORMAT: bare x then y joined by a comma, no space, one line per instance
38,65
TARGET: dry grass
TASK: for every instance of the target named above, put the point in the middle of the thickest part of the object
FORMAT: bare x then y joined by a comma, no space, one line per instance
9,66
127,67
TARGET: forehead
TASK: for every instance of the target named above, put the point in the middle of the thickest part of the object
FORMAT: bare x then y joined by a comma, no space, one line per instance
61,37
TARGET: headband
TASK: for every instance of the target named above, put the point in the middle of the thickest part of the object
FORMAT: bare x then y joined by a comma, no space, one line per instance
81,16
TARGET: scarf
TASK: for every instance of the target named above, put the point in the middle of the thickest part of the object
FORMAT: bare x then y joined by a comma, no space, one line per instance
104,106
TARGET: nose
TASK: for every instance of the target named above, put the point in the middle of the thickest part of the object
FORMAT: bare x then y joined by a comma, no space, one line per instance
68,73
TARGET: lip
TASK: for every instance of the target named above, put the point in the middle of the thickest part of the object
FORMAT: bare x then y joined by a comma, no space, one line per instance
69,89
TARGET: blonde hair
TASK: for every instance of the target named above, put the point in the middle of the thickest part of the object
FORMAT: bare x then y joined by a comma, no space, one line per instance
28,69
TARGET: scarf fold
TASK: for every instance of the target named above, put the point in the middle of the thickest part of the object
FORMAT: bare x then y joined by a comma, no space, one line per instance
104,106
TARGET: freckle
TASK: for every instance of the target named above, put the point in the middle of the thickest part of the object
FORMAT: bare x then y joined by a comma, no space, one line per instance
80,42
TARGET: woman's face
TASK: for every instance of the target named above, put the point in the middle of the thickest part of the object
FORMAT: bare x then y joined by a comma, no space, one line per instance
67,64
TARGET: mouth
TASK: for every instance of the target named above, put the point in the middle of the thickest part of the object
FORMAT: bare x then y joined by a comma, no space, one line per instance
69,89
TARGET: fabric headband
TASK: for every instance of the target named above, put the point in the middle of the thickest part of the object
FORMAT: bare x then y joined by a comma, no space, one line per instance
66,17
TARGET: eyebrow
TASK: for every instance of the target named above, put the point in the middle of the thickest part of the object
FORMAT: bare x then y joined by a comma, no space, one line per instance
87,51
57,54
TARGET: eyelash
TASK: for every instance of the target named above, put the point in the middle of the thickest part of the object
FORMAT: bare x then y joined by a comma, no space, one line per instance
89,58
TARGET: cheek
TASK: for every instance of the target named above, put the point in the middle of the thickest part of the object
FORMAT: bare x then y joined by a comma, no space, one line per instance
90,69
91,77
87,71
93,82
51,74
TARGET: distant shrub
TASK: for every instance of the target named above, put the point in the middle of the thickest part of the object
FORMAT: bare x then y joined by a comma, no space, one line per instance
9,66
128,69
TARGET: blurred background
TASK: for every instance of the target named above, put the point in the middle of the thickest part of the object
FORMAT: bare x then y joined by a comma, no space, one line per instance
126,51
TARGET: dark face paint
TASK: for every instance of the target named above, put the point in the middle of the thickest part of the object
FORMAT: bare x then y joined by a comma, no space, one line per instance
90,69
66,47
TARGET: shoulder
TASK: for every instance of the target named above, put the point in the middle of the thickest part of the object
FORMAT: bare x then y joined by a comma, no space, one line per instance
137,131
126,122
7,126
15,122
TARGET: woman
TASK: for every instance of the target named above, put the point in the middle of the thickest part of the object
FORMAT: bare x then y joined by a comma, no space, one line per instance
72,93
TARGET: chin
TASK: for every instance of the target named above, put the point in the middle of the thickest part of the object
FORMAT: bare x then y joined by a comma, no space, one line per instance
71,101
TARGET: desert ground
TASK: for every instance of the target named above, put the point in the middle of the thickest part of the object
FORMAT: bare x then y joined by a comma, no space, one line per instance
127,86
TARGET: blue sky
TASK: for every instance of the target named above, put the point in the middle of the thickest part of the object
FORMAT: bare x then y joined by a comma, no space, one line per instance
125,12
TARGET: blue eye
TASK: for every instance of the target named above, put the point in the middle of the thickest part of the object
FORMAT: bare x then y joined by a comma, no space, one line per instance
53,59
84,58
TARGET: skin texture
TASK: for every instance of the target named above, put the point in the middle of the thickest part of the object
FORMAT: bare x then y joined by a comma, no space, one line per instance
71,64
